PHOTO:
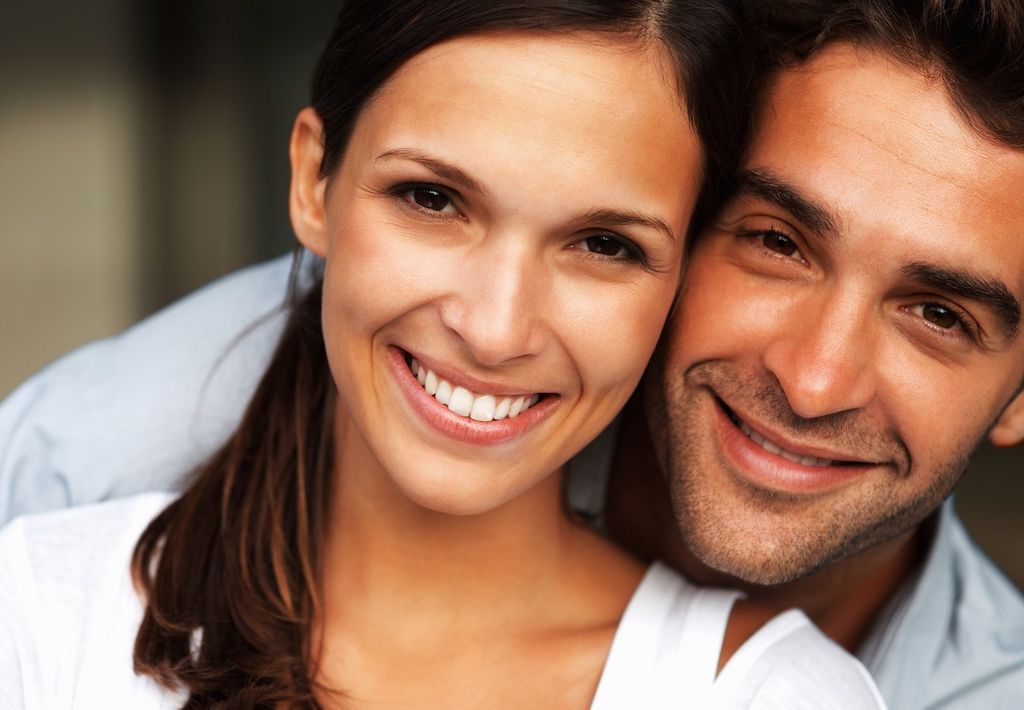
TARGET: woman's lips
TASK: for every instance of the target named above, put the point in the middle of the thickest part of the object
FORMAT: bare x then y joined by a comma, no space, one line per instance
769,466
463,415
481,407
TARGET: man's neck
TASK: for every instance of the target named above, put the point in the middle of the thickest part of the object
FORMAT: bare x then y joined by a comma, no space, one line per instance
845,599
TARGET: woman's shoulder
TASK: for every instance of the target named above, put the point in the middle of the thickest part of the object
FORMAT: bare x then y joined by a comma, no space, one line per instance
57,543
667,648
789,663
68,609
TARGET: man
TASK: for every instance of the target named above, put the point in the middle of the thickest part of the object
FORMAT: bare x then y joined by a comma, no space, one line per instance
853,307
848,332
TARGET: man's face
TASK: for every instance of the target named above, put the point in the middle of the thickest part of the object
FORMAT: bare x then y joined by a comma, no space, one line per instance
847,332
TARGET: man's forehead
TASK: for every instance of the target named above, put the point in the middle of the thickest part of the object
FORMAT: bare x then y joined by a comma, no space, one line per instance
865,98
882,147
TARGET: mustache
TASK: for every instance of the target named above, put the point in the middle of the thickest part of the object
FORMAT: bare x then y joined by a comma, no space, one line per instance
760,394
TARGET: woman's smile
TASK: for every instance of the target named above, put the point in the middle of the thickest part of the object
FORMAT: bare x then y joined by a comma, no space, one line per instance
487,416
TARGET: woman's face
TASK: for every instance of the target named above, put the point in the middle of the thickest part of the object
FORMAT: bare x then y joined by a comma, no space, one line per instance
503,242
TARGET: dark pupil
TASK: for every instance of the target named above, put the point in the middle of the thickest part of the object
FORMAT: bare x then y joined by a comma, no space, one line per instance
430,199
606,246
942,317
779,243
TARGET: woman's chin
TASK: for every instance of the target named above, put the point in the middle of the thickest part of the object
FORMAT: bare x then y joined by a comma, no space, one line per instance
460,493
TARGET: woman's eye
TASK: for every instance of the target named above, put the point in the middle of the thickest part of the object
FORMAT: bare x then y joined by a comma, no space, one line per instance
605,245
430,198
780,244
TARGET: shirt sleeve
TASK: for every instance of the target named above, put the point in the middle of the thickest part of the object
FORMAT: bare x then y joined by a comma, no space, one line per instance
18,669
167,391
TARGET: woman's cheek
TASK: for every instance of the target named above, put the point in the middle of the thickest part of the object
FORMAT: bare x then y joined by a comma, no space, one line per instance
615,330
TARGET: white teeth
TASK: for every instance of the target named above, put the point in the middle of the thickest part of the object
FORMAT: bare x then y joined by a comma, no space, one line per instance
461,402
516,407
790,456
779,451
502,410
483,408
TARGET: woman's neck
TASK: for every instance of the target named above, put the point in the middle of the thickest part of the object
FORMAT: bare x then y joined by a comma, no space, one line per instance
429,609
386,555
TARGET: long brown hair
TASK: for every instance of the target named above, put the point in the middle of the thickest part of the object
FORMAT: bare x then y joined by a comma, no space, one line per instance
231,571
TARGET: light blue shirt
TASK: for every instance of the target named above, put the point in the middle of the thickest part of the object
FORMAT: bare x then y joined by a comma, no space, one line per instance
135,412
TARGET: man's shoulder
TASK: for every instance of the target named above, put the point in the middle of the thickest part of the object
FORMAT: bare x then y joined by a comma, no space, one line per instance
135,411
957,639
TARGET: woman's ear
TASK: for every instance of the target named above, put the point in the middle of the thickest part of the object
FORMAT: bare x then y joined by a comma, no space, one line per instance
1009,428
308,189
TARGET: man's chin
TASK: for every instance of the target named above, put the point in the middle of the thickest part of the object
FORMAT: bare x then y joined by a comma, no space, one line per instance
761,565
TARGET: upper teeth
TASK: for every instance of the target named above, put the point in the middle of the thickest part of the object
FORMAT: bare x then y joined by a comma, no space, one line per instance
778,450
481,407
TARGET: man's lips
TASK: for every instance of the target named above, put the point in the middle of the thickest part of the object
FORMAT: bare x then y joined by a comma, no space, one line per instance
778,464
782,445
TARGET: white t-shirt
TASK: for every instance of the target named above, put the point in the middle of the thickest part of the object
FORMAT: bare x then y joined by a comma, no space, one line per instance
69,615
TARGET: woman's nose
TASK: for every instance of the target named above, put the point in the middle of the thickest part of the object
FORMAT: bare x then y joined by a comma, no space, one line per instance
495,308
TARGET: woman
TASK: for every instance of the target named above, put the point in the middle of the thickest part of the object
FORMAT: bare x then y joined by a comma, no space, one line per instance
499,194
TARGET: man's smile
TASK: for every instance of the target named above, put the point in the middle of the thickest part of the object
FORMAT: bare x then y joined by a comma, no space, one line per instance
770,461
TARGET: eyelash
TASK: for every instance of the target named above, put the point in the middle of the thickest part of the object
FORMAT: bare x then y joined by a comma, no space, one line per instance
402,189
758,235
634,254
967,328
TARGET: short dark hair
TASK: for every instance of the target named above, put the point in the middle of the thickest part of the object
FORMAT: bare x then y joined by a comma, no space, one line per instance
976,47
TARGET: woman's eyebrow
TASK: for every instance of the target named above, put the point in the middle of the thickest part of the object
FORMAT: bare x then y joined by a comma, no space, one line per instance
625,218
434,165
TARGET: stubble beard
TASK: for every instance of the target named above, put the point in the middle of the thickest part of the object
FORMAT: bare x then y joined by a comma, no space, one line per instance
766,538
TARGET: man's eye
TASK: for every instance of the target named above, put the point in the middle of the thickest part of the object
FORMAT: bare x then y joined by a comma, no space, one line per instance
430,198
941,316
780,244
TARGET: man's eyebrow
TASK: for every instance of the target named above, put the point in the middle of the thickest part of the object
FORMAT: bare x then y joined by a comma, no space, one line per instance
989,292
761,183
626,218
434,165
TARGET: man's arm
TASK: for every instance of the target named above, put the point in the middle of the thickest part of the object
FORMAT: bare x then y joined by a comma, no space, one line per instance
137,411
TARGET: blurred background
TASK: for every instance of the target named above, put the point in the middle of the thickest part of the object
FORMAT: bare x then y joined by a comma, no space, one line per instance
143,153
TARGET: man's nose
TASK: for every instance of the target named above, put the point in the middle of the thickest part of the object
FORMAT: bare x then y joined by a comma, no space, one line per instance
495,305
824,358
